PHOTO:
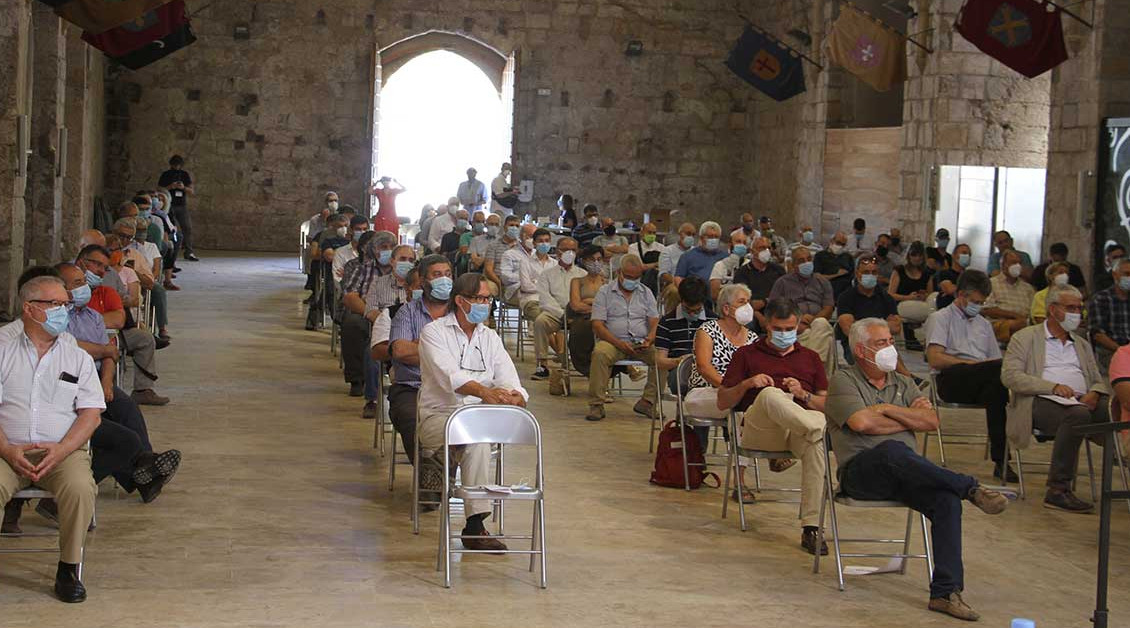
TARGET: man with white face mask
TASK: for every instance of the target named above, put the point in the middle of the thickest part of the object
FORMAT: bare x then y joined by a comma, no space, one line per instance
873,416
724,269
835,264
1010,303
553,296
1056,385
758,275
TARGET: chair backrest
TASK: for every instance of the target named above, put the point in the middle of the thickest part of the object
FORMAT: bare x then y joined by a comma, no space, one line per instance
683,375
481,423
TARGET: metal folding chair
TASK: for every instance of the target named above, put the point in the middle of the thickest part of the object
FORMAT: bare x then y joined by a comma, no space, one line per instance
734,454
1045,437
34,492
416,471
687,422
832,498
499,425
382,424
304,246
952,438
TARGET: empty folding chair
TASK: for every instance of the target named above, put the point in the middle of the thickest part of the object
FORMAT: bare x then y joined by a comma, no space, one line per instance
832,498
966,438
734,454
502,426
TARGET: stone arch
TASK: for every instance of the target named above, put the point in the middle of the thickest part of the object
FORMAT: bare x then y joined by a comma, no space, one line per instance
487,58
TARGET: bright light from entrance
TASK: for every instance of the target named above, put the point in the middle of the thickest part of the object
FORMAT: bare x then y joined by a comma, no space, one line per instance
440,114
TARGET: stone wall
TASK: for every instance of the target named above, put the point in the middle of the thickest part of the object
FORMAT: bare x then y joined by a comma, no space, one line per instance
45,187
85,122
15,101
962,107
269,121
861,179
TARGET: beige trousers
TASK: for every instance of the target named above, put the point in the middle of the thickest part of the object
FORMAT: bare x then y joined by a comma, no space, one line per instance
604,355
545,325
776,423
820,338
72,483
916,311
473,460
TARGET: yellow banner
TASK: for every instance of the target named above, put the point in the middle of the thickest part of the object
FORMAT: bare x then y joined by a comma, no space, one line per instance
868,49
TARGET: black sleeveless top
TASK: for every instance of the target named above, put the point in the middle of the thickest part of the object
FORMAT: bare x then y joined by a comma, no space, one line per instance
908,284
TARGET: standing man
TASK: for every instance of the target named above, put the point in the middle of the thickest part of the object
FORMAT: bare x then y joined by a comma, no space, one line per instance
472,194
503,198
179,183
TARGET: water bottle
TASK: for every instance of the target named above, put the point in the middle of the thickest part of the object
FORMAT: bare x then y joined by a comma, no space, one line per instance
1023,623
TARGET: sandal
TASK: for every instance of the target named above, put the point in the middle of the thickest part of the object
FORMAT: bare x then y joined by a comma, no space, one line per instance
777,465
747,495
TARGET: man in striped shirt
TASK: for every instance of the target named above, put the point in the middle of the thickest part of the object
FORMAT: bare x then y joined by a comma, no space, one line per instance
674,339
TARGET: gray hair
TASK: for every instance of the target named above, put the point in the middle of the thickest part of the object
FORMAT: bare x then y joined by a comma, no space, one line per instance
384,237
1055,292
34,288
708,225
630,260
125,222
729,293
860,331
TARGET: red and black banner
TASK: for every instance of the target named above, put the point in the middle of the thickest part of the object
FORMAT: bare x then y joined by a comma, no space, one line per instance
139,32
159,49
98,16
1025,35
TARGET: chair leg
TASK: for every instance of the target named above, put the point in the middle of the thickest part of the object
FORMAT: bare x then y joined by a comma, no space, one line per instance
929,550
906,541
835,535
820,532
1091,469
541,539
1019,474
726,483
533,538
741,488
683,449
756,475
392,465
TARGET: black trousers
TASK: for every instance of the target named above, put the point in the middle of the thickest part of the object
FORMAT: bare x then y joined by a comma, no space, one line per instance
1052,418
120,440
893,471
980,384
355,330
402,412
180,216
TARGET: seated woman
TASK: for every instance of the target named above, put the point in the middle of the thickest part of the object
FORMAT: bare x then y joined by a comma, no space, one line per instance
582,291
1057,274
910,288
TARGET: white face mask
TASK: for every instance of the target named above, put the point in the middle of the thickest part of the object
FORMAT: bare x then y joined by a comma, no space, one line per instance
528,243
744,314
592,221
1071,321
1014,270
332,205
836,249
1061,279
343,231
568,257
886,359
764,256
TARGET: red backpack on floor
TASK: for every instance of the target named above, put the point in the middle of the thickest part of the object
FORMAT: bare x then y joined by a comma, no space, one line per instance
669,459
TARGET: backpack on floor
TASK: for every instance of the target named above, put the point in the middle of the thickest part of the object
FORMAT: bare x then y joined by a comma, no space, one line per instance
669,459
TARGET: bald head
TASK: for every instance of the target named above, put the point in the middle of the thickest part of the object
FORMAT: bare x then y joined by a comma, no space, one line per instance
91,236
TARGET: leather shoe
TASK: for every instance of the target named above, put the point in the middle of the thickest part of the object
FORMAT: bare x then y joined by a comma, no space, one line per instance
1067,501
68,587
596,413
192,257
49,510
989,501
953,606
356,389
808,540
998,472
148,398
482,541
369,411
160,343
152,490
12,512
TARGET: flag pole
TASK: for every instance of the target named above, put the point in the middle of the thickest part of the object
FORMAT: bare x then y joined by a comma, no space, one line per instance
1072,15
775,39
894,30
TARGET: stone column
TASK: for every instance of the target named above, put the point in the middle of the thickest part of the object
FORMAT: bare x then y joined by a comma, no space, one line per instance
83,121
15,103
45,187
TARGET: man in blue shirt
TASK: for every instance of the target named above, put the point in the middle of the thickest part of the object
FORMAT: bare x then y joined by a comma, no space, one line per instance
1003,241
699,261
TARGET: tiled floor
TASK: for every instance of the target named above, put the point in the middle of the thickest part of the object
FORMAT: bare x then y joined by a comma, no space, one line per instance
280,515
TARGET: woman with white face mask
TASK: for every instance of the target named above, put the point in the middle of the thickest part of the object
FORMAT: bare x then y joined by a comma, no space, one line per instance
1057,274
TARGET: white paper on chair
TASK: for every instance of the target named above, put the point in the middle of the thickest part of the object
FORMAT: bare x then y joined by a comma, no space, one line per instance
1063,401
894,565
504,490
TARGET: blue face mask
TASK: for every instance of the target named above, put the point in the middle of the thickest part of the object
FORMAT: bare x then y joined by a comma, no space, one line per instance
463,224
156,205
512,232
688,242
973,309
403,268
57,320
963,259
806,269
869,281
740,250
942,243
543,247
630,284
783,339
692,316
479,313
441,288
384,257
357,235
80,296
808,237
92,280
144,214
1124,283
417,294
712,244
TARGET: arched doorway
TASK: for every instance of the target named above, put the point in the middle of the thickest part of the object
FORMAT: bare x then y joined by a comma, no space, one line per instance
441,102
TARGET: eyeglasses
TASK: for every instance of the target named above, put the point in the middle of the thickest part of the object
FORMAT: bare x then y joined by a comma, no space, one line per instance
869,258
51,303
479,299
475,367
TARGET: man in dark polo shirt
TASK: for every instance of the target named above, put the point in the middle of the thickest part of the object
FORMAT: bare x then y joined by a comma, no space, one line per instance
873,416
945,281
835,264
674,338
866,300
759,275
780,388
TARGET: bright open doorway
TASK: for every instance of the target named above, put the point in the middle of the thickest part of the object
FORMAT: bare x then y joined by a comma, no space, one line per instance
440,114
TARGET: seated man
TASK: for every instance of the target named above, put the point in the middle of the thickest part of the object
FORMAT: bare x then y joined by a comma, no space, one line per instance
699,261
358,225
1056,385
963,352
807,240
835,264
812,294
435,276
374,260
614,245
873,416
669,261
553,287
507,240
590,229
866,300
126,229
1010,304
759,275
137,343
480,242
624,321
1057,254
449,243
724,269
884,259
779,388
674,338
333,237
944,282
522,265
387,292
1112,252
462,361
44,427
1109,313
1002,240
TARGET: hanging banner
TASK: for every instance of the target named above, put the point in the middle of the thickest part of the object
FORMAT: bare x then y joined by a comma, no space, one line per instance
867,48
152,52
133,35
767,65
98,16
1025,35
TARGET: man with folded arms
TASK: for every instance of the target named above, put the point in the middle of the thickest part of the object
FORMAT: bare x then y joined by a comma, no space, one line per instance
873,415
50,402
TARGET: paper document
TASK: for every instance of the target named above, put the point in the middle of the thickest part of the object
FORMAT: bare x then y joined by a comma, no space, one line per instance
1063,401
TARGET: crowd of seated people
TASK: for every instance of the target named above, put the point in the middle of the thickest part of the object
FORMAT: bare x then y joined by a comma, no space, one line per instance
759,318
66,419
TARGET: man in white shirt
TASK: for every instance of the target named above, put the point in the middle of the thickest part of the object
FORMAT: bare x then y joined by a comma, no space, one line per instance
747,227
498,191
481,242
648,243
669,261
723,271
464,362
807,240
553,297
358,225
859,243
515,291
50,405
442,224
472,194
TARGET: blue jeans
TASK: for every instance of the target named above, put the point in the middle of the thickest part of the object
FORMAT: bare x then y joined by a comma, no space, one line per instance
893,471
372,371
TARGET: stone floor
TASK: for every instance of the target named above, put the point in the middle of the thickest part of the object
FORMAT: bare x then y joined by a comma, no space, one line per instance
280,515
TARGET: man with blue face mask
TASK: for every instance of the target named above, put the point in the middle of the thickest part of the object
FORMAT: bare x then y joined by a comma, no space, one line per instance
700,261
779,387
723,270
669,261
866,300
358,280
508,239
1109,312
812,294
624,321
963,352
807,239
462,361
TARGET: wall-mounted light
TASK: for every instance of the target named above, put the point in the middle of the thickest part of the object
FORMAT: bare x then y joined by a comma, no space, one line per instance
800,36
901,7
242,31
634,49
